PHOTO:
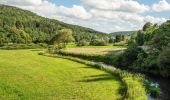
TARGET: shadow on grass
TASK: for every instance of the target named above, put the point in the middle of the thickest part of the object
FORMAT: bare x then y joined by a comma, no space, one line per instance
93,66
96,78
101,77
37,50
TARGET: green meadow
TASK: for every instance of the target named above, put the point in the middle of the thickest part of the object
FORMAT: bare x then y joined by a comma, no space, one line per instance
25,75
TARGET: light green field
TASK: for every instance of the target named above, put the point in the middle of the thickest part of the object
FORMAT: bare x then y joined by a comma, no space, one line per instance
25,75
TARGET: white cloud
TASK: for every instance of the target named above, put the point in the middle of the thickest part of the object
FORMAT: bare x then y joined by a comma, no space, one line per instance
48,9
116,15
75,11
163,5
22,2
120,5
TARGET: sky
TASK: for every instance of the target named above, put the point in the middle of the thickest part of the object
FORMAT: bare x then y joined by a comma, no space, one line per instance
101,15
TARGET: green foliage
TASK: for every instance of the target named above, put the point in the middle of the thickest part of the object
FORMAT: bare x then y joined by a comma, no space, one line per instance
22,26
164,62
111,40
98,42
126,33
147,26
119,38
62,38
3,39
129,56
140,38
152,88
153,39
82,43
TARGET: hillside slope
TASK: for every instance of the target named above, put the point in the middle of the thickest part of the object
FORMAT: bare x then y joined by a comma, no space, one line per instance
21,25
126,33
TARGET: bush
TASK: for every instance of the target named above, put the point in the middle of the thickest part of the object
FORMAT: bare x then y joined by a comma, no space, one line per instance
83,43
150,64
152,88
129,56
98,42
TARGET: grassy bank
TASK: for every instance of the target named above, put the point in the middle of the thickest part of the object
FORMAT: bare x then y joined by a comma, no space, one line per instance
132,88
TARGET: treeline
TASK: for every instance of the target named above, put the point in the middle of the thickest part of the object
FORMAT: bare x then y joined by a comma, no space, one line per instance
22,26
149,50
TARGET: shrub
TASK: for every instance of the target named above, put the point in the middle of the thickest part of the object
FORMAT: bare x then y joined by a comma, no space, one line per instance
129,56
152,88
83,43
98,42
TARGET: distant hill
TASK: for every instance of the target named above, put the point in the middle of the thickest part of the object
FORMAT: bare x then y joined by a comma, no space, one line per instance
18,25
126,33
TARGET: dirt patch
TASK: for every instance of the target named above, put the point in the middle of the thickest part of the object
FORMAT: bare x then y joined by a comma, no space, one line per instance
93,50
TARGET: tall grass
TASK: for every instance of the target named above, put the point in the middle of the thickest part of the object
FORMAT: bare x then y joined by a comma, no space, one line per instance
92,57
134,87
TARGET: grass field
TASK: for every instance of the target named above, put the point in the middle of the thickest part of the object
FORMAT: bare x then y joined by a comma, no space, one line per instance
73,45
25,75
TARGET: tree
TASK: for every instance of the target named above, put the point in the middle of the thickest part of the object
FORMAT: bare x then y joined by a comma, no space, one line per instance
122,37
129,56
147,26
3,39
118,38
98,42
111,40
164,63
140,38
62,38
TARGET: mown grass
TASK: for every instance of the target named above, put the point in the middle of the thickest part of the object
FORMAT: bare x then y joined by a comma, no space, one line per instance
25,75
133,87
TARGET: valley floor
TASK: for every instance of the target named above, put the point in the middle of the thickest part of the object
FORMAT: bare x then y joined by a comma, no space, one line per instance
25,75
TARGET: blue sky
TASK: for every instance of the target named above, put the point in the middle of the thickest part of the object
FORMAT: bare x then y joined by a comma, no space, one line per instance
101,15
68,3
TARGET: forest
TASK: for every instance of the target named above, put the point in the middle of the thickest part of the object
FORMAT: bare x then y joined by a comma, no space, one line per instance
24,27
